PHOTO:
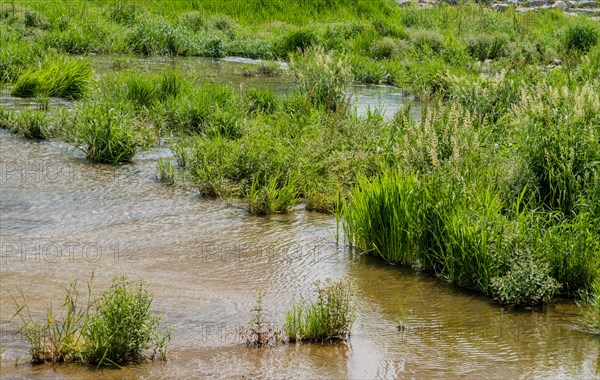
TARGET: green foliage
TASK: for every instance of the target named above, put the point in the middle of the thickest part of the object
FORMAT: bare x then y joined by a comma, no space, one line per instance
385,217
383,49
581,36
140,90
322,78
267,196
260,101
527,283
31,125
590,303
327,319
105,135
166,171
487,46
122,326
58,339
295,41
560,142
65,78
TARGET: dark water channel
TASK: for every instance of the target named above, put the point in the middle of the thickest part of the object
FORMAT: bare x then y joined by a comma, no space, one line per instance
62,218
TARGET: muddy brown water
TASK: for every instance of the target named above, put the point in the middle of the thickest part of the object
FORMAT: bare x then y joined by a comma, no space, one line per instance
62,219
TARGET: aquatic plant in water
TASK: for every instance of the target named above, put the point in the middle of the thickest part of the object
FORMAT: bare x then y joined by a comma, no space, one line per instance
115,329
328,318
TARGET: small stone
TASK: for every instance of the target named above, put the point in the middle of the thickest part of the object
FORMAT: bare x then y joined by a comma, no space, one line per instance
572,3
403,2
560,5
500,7
557,62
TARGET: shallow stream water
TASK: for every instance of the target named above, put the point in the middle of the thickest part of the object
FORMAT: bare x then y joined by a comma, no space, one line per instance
62,218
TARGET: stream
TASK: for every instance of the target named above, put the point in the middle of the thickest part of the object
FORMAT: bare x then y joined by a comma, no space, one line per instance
63,218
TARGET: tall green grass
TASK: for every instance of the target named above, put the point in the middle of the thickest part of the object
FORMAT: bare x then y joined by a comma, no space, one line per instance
322,78
105,134
66,78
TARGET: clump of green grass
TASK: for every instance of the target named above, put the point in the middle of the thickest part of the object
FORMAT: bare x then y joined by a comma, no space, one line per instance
171,84
268,196
115,329
6,118
560,142
122,326
264,68
31,125
487,46
105,135
165,171
329,318
140,90
260,101
581,36
123,12
65,78
385,217
59,338
295,41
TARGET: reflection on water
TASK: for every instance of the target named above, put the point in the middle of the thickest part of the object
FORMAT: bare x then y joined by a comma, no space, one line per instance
63,218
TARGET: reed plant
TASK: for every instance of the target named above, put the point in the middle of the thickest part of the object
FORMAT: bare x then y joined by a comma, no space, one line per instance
322,78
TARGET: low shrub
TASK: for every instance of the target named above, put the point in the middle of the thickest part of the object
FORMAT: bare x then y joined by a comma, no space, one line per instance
528,282
122,326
